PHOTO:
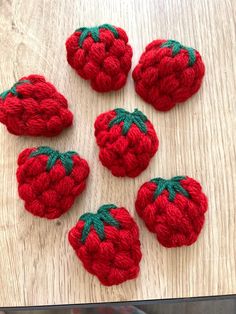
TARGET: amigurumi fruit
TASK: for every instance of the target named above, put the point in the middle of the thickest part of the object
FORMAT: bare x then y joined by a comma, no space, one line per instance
49,181
100,54
173,209
127,141
34,107
168,73
107,243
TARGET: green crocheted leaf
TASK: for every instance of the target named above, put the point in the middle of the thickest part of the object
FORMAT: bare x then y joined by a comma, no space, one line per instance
53,156
176,47
94,32
173,186
136,117
13,89
97,221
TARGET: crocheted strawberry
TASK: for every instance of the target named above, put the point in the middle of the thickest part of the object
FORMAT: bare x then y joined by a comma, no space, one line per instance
168,73
173,209
49,181
127,141
34,107
100,54
108,244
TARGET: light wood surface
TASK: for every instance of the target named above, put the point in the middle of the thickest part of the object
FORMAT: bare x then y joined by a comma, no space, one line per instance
37,265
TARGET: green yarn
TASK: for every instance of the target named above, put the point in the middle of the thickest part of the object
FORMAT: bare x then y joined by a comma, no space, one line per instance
53,156
136,117
94,32
98,220
13,89
172,185
176,47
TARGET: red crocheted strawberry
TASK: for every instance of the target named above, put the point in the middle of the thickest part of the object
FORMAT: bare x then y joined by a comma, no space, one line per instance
49,181
127,141
168,73
34,107
108,244
173,209
100,54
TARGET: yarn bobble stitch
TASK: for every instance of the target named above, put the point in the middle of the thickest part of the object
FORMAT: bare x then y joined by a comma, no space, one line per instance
34,107
173,209
49,181
108,245
100,54
168,73
127,141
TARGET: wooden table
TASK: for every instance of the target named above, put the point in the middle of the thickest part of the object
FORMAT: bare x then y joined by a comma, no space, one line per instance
37,265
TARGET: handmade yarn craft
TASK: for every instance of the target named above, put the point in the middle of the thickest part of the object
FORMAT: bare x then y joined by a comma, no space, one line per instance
34,107
172,209
100,54
168,73
107,243
127,141
49,181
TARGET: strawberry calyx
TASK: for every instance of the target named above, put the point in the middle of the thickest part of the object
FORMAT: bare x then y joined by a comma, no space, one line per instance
53,156
177,46
172,185
98,220
12,90
94,32
129,118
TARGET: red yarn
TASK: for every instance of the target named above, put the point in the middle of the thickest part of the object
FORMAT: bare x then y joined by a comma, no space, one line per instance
100,54
168,73
34,107
108,244
49,181
173,209
127,141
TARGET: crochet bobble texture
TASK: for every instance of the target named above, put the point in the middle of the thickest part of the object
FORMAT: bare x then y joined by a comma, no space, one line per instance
101,55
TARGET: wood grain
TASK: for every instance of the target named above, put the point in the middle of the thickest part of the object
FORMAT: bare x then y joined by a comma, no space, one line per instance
37,266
